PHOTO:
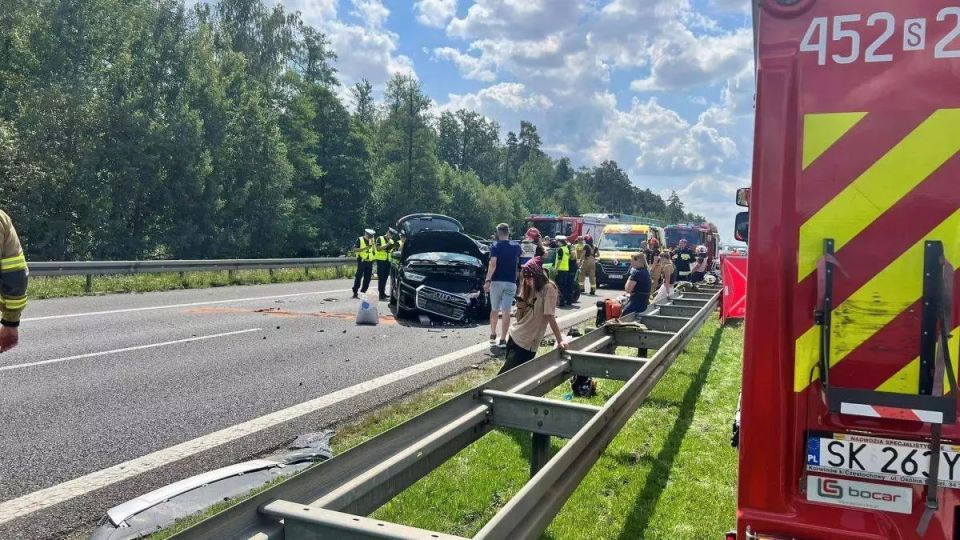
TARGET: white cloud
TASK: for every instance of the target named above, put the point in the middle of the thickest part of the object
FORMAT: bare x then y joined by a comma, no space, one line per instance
435,13
372,12
680,59
499,98
516,19
650,139
364,51
471,67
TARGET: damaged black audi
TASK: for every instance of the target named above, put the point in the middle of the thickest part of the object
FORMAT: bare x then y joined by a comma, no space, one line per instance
440,270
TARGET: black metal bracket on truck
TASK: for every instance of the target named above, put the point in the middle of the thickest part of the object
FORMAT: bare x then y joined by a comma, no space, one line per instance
931,405
332,499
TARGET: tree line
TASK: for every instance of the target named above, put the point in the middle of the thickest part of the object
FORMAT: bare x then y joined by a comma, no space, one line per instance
138,129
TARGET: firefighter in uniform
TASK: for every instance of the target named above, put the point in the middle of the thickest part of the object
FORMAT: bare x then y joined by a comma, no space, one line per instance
385,246
683,259
13,284
365,256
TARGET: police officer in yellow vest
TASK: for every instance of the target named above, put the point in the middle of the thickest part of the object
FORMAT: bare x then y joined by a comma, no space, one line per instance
385,246
365,255
564,275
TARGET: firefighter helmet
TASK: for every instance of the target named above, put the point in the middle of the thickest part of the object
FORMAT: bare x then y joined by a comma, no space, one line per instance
701,250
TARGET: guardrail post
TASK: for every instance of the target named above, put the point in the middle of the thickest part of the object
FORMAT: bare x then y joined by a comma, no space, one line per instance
270,271
183,277
539,453
306,272
89,286
230,276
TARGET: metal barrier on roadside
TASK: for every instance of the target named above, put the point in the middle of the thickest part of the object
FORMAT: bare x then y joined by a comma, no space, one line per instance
331,499
95,268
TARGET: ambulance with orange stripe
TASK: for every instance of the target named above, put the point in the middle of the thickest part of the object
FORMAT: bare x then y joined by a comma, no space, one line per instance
849,420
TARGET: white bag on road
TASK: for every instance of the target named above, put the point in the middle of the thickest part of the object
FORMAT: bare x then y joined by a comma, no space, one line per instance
368,313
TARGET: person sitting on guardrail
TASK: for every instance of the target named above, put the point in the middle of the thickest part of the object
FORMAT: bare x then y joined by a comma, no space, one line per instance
536,311
661,273
13,284
638,285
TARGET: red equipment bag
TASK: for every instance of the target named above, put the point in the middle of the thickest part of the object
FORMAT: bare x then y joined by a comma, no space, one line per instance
612,309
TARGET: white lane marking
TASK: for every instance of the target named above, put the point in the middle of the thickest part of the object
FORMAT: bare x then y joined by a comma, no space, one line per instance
128,349
175,306
54,495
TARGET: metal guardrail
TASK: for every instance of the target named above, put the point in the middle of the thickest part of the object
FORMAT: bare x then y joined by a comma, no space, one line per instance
332,498
83,268
99,268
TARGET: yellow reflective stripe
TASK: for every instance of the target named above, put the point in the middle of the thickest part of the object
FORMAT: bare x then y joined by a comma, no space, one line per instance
907,379
887,181
821,131
874,305
13,263
14,303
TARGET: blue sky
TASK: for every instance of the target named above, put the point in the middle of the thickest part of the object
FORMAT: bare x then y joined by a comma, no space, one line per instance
664,87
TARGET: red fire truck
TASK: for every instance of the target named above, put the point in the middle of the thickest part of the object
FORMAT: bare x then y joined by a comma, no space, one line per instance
702,234
849,409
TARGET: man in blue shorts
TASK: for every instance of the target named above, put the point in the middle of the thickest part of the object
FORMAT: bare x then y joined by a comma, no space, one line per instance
502,282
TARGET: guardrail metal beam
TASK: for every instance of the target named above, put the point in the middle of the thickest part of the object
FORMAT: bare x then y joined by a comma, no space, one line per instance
312,523
92,268
537,414
605,366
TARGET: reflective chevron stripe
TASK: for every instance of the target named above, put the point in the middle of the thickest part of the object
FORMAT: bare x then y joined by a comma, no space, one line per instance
892,177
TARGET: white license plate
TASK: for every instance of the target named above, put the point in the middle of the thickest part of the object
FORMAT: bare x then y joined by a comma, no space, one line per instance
892,460
615,276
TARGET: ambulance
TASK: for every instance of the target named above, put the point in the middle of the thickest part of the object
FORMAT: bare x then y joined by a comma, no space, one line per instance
617,244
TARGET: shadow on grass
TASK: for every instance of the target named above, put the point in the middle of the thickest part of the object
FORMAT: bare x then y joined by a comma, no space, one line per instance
638,521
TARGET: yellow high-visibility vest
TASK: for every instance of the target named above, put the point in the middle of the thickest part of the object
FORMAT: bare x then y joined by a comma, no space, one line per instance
563,265
382,253
365,253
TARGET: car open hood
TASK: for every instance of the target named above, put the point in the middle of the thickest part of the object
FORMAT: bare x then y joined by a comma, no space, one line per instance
440,241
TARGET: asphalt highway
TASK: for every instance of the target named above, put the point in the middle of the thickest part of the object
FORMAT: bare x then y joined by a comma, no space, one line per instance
110,397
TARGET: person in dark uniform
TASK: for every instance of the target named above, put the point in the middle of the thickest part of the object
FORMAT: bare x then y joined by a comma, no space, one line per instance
365,257
683,259
638,285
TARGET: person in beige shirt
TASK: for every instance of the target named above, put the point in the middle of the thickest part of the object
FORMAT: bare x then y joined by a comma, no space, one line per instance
662,271
536,311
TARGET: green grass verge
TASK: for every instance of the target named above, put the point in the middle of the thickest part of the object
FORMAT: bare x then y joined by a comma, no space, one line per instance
59,287
670,473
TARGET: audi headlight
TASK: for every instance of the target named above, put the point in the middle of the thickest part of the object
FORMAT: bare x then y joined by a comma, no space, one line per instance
413,276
